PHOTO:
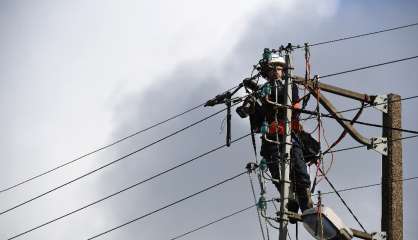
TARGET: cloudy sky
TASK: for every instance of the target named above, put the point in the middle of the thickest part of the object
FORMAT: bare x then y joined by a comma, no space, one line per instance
76,75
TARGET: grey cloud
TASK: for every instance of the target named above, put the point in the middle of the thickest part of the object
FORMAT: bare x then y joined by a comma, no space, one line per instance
187,86
196,81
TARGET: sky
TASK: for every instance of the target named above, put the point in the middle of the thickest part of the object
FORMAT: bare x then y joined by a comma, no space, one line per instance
76,75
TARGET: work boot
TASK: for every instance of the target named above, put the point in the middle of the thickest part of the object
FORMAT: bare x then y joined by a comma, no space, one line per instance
305,200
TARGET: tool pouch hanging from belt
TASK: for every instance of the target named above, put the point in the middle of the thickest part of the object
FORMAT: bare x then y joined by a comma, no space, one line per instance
310,147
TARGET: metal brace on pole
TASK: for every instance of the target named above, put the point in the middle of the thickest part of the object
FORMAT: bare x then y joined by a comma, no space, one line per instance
380,145
381,103
379,236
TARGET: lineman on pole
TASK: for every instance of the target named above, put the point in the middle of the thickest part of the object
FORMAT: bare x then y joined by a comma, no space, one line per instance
269,119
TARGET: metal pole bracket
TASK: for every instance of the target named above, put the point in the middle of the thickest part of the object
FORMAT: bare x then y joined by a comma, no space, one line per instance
380,102
379,236
379,144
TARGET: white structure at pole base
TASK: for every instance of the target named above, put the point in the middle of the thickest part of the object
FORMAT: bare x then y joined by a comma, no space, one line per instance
332,226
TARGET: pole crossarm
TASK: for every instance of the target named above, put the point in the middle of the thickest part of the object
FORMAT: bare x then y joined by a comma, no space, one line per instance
311,86
335,90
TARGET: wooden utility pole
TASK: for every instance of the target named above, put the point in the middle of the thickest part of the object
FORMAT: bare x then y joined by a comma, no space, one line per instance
392,215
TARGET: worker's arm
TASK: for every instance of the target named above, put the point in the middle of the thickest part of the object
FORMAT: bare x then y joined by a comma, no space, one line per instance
295,101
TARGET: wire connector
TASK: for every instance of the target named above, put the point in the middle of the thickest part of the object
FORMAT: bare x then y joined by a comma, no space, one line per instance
262,204
379,144
263,165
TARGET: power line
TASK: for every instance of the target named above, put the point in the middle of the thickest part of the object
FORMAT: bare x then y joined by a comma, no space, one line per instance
167,206
378,104
143,181
213,222
180,114
99,149
249,207
193,108
258,212
112,162
361,146
370,66
315,113
175,116
359,35
359,122
129,187
104,147
367,106
342,200
369,186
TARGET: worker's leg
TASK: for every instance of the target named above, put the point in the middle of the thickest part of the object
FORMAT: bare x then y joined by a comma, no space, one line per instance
300,177
271,154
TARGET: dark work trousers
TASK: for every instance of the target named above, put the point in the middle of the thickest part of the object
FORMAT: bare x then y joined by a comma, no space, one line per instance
298,171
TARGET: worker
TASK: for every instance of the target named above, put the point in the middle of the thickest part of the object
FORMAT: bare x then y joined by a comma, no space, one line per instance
272,68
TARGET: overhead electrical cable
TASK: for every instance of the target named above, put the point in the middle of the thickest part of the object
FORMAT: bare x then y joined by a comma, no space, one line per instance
175,116
368,186
378,104
213,222
359,122
171,118
168,205
359,35
249,207
348,189
182,113
362,146
98,149
367,106
342,200
369,66
103,147
129,187
112,162
258,211
351,121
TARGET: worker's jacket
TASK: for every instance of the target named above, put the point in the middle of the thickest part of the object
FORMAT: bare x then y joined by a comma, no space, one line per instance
264,112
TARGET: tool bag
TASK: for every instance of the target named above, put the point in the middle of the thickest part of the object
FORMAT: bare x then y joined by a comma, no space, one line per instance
310,147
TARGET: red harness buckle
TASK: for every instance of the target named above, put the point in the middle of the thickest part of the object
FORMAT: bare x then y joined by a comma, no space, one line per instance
279,127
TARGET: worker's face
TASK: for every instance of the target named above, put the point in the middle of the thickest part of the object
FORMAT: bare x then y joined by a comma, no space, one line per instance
276,72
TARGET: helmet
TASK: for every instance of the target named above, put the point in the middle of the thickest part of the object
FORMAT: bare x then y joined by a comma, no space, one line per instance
272,58
275,59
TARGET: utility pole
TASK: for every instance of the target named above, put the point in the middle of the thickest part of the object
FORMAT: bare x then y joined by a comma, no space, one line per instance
286,143
389,146
392,215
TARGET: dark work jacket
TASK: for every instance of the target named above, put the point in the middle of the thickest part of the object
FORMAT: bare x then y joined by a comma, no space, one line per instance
266,111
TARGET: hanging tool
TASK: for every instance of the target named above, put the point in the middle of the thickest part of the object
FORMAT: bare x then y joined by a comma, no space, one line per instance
226,98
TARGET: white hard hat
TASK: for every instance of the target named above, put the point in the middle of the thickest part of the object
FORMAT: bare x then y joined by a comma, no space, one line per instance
276,59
